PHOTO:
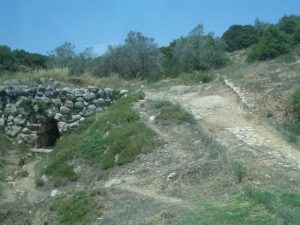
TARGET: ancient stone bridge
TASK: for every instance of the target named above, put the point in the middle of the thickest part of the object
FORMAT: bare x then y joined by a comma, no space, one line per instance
37,116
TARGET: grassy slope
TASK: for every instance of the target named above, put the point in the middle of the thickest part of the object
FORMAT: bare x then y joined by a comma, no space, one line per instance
117,136
251,207
113,138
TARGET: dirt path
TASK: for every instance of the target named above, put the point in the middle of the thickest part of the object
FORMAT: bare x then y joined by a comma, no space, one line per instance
144,184
235,126
24,187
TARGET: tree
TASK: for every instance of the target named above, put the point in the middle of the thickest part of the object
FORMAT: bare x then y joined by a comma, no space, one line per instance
289,24
82,62
62,55
138,57
197,31
260,25
198,51
6,59
20,60
239,37
271,44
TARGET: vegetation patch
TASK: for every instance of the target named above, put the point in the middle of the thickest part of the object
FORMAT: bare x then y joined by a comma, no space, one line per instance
195,77
77,208
113,138
170,113
253,206
285,206
296,101
239,171
292,131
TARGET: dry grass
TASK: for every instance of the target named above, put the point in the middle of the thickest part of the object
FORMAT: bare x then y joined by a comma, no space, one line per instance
34,78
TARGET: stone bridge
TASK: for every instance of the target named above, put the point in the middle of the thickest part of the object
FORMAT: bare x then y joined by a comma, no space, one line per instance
37,116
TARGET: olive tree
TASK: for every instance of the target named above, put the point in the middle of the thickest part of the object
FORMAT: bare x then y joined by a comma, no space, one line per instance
138,57
198,51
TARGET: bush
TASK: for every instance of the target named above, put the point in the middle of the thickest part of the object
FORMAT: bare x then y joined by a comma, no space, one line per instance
196,77
272,43
296,101
239,37
173,113
77,208
239,171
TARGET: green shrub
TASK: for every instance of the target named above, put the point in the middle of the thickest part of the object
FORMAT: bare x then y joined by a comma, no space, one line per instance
238,211
22,173
239,37
252,207
196,77
296,101
77,208
239,171
271,44
60,173
173,113
285,206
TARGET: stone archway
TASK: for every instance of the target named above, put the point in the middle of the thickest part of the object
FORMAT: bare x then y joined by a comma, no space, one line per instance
49,134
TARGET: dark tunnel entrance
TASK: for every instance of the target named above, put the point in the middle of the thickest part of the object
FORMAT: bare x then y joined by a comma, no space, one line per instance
49,133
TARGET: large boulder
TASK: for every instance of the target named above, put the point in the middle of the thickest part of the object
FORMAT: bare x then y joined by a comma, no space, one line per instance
69,104
12,131
88,111
64,110
10,109
78,105
15,90
99,102
89,96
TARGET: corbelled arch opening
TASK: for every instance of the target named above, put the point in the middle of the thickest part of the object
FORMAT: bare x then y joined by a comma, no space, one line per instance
49,134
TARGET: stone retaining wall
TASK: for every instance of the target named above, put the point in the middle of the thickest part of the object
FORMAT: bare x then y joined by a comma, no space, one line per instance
24,110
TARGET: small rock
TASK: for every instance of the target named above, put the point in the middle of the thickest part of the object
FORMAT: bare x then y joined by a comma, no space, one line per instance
69,104
112,183
152,118
77,169
171,175
89,96
54,193
78,105
123,92
65,110
44,179
98,110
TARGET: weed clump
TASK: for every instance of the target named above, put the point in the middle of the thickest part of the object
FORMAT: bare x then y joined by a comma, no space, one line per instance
77,208
296,101
195,77
238,170
252,207
172,113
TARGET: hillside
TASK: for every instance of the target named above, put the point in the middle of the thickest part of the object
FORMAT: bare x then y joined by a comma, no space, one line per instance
176,151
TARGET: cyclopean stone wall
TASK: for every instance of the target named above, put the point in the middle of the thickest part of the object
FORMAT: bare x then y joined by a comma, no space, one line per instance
27,112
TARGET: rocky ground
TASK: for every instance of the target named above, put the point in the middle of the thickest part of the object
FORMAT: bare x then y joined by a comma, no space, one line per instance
188,169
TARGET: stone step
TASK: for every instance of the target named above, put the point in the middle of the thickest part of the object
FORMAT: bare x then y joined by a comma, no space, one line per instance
41,150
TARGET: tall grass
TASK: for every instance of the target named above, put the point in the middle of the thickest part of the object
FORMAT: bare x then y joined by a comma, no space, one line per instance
63,75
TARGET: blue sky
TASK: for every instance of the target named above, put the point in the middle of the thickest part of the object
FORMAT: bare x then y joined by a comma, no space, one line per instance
41,25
